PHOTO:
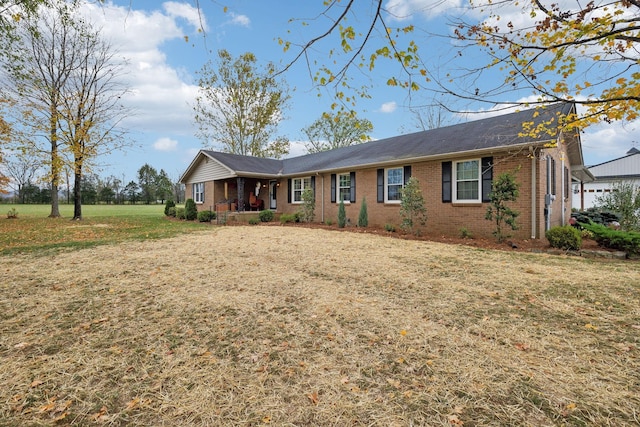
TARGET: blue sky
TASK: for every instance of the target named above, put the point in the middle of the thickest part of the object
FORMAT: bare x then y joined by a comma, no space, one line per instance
164,50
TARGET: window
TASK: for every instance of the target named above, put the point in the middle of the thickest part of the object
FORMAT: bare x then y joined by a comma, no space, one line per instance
394,178
198,192
343,188
298,186
466,181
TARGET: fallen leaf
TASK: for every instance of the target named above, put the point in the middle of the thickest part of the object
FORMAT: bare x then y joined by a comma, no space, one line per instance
344,380
313,397
403,332
49,406
590,326
22,345
266,419
61,417
133,403
521,346
36,383
100,416
454,420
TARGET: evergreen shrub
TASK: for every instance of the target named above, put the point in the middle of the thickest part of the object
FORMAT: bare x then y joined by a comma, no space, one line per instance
564,237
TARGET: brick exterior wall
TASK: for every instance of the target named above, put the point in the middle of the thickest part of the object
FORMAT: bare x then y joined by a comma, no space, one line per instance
449,218
442,218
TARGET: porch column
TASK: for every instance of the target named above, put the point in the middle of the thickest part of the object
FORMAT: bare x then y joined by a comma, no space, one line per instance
240,194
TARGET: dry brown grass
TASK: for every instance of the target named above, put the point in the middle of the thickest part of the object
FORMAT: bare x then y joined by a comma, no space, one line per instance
289,326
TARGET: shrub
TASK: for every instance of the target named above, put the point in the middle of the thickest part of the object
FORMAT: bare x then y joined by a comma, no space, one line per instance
564,237
342,215
412,209
170,204
628,241
254,221
285,218
308,205
465,233
504,189
171,211
595,215
329,222
266,215
206,216
190,210
180,213
12,214
363,217
390,228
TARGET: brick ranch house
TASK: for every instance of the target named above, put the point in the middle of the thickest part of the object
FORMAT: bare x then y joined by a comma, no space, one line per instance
455,166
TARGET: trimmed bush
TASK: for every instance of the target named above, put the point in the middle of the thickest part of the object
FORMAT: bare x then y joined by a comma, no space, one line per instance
206,216
390,228
266,215
627,241
170,204
171,211
363,216
342,215
180,213
565,237
285,218
254,221
190,210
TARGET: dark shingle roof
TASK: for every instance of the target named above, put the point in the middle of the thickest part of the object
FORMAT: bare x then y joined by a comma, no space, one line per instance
497,132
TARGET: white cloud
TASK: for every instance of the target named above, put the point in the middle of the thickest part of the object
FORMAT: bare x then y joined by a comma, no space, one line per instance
388,107
406,9
242,20
160,97
165,144
187,12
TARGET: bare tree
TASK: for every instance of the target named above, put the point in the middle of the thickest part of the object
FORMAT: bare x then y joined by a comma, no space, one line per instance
63,80
22,170
37,67
91,109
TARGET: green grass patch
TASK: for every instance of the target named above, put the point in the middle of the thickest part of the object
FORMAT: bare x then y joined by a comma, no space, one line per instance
33,231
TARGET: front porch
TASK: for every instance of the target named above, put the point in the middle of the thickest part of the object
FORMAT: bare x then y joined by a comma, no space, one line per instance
245,194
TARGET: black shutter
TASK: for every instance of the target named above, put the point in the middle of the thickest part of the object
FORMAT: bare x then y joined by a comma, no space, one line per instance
487,178
352,178
289,190
407,174
333,188
313,186
567,181
380,185
446,182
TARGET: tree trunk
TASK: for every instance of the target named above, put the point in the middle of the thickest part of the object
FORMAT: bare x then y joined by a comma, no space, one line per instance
55,177
77,193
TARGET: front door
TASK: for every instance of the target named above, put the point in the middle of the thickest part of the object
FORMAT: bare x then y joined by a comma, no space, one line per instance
273,185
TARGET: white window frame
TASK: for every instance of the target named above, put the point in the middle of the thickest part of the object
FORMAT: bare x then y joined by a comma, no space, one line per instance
339,187
478,180
305,182
198,192
386,184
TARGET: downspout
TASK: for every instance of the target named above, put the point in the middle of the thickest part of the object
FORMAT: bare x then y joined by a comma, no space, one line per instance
322,201
534,195
562,183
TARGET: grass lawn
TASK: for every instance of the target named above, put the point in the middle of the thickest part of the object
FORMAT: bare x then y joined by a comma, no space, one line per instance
101,224
275,325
